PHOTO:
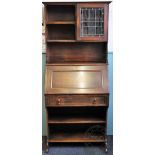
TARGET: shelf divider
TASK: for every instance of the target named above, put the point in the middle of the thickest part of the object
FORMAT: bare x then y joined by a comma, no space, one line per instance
60,22
60,41
76,120
64,40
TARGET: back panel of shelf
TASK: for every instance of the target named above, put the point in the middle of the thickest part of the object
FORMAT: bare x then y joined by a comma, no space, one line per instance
63,52
60,13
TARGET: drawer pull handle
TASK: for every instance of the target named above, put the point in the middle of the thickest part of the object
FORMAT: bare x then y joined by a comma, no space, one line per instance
94,101
59,101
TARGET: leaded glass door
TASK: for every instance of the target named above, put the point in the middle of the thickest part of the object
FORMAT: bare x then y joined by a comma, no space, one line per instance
92,21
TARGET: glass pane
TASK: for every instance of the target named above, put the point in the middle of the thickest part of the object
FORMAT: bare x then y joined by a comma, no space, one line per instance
92,20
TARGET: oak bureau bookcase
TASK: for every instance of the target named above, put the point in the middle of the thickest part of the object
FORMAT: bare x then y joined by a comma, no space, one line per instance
76,77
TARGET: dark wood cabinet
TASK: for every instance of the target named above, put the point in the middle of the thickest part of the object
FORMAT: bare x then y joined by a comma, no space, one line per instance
76,77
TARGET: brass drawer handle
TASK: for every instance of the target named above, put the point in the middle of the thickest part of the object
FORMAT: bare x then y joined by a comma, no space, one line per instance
58,101
94,101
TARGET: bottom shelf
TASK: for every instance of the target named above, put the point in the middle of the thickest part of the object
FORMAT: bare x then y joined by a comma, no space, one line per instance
76,137
77,133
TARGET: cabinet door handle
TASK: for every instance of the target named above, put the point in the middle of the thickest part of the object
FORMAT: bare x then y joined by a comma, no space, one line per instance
58,101
94,101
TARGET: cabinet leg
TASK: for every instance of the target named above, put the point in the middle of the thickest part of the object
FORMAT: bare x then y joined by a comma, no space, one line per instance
45,144
106,145
47,147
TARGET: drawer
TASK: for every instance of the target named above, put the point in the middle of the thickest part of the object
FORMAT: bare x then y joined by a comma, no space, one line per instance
77,100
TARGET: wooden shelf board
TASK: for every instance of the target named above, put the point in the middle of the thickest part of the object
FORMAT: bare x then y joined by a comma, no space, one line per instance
75,120
77,105
62,3
61,22
76,137
79,64
74,140
48,40
61,41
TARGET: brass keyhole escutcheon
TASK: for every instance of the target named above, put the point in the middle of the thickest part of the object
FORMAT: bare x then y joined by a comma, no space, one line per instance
94,101
58,101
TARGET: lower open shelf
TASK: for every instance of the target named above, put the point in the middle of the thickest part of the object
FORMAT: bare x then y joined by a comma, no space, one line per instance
75,137
78,115
77,133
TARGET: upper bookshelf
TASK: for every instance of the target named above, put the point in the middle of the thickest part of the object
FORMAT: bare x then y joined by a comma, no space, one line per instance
78,21
76,32
60,14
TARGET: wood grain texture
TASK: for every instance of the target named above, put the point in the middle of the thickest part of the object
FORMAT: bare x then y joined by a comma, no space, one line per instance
76,79
76,133
60,13
78,120
73,138
80,115
77,100
61,22
76,52
60,31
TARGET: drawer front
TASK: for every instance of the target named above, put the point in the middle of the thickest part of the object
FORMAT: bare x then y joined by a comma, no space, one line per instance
77,100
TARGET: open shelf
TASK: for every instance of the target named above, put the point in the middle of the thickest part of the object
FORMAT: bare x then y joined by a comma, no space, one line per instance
69,133
76,52
61,32
60,13
80,115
